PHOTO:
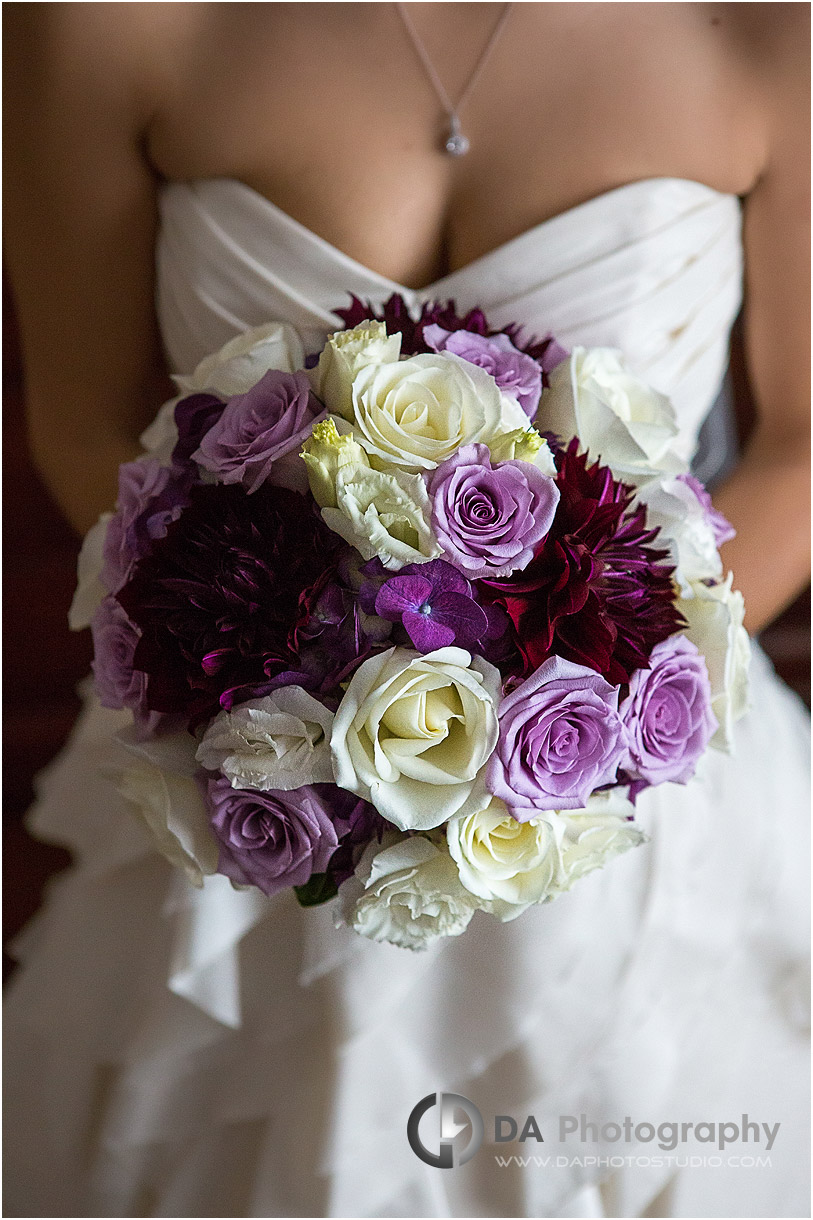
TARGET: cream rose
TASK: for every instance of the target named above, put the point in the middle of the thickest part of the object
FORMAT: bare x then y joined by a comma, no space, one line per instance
415,413
160,786
715,615
344,355
405,891
618,418
279,742
413,733
383,514
242,361
509,865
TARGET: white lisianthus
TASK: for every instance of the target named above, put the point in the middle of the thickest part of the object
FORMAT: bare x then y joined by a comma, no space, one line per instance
405,891
509,865
413,733
594,835
715,614
415,413
244,360
161,787
90,592
161,436
618,418
684,525
383,514
325,453
344,355
279,742
523,445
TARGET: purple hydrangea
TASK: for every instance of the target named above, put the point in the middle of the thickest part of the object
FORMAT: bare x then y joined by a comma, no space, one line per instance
561,737
258,428
151,496
668,714
271,839
723,529
435,605
514,372
490,519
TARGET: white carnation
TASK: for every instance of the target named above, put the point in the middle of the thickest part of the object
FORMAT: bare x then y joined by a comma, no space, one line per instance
715,614
618,418
280,742
405,891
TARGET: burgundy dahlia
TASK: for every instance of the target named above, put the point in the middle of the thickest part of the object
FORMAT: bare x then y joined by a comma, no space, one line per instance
394,313
217,596
596,591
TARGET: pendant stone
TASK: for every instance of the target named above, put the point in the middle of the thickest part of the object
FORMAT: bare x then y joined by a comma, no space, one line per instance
457,145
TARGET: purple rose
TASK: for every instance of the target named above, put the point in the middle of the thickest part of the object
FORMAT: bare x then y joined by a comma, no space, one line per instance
668,713
514,372
722,528
489,519
560,738
194,416
117,683
270,839
258,428
151,496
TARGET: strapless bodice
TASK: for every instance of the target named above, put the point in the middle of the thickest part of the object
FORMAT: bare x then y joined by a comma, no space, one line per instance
653,268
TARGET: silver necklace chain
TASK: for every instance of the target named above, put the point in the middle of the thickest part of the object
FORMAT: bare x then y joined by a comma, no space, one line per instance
456,144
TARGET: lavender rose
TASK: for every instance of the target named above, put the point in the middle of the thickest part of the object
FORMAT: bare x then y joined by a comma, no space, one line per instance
270,839
117,683
560,738
489,519
516,373
668,713
150,497
269,422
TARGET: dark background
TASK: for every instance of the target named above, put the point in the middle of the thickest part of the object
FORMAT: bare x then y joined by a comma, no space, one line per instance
44,660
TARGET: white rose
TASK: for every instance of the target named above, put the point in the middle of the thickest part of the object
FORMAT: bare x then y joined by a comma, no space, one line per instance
405,891
161,436
344,355
415,413
675,510
279,742
413,733
241,363
523,445
509,865
382,514
90,592
617,417
161,787
715,616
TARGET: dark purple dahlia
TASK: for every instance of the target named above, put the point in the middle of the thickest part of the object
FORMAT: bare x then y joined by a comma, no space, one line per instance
596,591
394,313
216,598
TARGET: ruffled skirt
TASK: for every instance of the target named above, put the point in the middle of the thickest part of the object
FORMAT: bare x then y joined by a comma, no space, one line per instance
174,1052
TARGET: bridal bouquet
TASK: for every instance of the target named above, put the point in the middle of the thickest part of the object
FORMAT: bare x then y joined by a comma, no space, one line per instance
412,622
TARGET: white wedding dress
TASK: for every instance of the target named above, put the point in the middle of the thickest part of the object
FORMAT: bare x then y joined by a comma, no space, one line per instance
174,1052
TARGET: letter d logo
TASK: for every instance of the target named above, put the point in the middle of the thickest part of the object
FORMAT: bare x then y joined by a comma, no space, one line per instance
450,1154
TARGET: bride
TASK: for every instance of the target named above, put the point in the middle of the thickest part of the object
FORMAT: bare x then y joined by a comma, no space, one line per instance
172,1053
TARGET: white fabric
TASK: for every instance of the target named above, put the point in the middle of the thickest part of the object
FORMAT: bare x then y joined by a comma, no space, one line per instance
174,1052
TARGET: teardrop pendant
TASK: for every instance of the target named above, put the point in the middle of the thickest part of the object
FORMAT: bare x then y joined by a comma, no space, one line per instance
457,145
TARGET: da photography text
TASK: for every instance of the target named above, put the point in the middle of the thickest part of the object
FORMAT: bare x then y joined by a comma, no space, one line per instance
446,1130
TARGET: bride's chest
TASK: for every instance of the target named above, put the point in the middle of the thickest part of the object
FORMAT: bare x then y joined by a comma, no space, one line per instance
326,111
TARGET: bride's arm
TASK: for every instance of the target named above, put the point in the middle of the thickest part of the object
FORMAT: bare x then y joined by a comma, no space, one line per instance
80,225
767,498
